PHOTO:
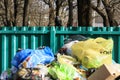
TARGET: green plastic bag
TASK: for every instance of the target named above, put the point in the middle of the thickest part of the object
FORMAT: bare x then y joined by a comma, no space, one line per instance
62,72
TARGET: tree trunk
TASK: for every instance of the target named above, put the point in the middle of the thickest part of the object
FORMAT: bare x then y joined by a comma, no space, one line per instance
70,19
84,13
57,13
51,14
25,12
110,13
82,6
89,20
57,7
79,14
102,14
15,12
7,23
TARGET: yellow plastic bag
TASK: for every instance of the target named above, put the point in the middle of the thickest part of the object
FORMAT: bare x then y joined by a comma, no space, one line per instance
92,53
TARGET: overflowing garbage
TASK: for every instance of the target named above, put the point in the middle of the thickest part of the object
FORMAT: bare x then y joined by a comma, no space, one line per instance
78,59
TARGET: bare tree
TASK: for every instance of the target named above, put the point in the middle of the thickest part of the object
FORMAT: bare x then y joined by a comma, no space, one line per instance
70,18
25,12
8,13
110,10
84,13
43,12
15,12
106,9
101,12
50,3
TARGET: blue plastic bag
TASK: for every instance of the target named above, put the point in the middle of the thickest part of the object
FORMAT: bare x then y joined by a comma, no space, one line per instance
20,57
35,57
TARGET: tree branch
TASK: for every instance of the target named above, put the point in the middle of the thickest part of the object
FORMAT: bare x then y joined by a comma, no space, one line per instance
2,5
115,3
46,2
98,3
61,1
102,14
98,10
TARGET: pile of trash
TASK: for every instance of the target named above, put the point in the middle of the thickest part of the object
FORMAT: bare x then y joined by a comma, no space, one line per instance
78,59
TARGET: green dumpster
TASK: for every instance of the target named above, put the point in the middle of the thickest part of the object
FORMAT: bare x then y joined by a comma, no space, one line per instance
13,38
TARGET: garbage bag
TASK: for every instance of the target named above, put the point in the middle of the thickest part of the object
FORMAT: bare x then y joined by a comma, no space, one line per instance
92,53
73,64
42,56
28,73
75,37
5,75
62,72
65,59
35,57
67,47
20,57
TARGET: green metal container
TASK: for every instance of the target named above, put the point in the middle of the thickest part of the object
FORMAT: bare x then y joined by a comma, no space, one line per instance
13,38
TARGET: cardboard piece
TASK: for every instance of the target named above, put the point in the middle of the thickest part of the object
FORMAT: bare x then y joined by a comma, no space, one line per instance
105,72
